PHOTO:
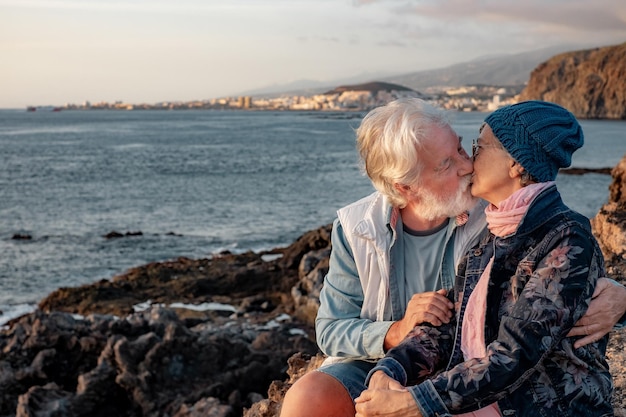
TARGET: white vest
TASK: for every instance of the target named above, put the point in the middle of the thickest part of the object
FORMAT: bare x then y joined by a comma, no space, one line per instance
365,227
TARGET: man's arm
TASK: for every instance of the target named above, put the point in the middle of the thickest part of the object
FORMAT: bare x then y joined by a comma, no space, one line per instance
606,311
340,330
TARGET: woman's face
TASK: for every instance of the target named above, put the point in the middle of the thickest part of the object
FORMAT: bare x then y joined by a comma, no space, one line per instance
494,177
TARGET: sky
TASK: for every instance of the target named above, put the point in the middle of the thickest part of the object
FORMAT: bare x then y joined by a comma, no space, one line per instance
54,52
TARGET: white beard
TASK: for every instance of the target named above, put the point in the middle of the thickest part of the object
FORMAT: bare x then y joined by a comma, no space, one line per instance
435,206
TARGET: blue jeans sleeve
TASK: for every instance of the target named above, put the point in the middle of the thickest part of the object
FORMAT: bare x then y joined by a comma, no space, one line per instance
428,400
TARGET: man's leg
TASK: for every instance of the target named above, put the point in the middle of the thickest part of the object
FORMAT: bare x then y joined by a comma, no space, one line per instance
327,392
317,394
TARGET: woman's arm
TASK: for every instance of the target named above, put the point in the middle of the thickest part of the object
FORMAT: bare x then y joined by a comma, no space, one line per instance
423,352
555,296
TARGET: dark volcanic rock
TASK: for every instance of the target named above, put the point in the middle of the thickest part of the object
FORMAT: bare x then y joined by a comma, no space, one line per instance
609,225
169,360
588,83
114,235
226,278
583,171
148,364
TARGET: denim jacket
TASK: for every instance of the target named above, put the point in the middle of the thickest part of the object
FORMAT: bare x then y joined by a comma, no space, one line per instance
541,283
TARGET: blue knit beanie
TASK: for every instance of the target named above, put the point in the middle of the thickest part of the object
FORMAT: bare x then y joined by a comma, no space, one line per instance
541,136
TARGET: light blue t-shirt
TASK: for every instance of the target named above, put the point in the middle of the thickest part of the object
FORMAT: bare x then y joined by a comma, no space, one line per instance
422,273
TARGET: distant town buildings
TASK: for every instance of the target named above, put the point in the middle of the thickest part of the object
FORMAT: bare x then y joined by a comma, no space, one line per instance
351,98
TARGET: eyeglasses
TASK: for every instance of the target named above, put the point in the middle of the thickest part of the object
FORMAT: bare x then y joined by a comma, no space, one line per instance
476,147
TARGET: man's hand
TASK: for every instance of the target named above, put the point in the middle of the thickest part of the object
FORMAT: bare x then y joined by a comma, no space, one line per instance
382,381
389,403
608,304
428,307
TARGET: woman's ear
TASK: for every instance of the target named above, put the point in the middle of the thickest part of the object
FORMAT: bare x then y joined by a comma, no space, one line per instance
515,169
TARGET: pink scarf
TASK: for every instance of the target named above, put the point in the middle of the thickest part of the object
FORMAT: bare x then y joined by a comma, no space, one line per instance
501,221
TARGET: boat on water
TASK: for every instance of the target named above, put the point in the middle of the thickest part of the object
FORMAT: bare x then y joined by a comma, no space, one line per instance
42,108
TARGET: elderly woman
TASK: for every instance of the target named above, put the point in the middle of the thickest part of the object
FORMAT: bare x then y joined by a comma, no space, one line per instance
518,293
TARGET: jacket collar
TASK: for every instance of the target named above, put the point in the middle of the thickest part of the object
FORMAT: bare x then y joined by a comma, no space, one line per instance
547,205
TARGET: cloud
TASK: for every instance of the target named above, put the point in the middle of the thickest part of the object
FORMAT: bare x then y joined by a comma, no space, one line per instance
445,30
364,2
575,15
150,6
393,43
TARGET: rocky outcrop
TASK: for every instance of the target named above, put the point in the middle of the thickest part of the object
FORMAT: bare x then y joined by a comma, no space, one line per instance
147,364
583,171
589,83
252,281
91,351
609,225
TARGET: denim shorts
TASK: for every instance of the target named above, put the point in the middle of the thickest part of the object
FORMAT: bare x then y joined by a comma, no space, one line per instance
351,374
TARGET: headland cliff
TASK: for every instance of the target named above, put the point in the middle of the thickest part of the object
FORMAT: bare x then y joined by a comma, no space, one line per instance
589,83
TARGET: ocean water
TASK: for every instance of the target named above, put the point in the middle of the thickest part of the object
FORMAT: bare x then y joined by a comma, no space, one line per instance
194,183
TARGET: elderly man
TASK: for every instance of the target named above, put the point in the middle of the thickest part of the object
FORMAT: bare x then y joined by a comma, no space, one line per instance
395,253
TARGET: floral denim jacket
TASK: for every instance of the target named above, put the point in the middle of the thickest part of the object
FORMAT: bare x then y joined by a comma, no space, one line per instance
541,282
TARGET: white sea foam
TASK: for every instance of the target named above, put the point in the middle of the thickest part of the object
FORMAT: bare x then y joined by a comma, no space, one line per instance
14,311
205,307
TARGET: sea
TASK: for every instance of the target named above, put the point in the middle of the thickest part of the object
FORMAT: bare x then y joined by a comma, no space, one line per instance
192,183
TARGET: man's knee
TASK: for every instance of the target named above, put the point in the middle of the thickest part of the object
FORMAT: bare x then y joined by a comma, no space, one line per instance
329,396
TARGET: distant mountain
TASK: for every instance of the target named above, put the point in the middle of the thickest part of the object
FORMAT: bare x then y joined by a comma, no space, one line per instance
309,87
501,70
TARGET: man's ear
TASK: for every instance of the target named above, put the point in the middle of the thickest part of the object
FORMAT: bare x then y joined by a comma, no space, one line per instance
402,189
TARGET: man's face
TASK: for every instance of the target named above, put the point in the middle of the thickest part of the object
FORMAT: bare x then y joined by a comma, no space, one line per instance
444,181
